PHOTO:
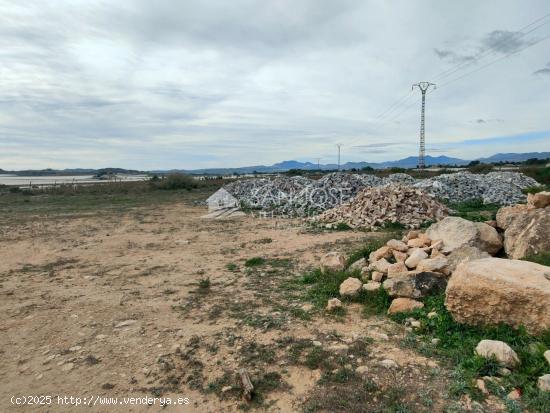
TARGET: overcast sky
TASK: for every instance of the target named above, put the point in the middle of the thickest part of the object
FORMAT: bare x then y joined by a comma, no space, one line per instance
190,84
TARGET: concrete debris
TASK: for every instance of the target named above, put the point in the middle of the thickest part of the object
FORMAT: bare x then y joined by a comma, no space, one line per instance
375,207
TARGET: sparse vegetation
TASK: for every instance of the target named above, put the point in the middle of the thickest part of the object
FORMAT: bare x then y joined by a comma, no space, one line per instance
254,262
456,347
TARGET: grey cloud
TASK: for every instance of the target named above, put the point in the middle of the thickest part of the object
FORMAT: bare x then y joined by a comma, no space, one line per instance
505,41
544,71
179,84
378,145
452,56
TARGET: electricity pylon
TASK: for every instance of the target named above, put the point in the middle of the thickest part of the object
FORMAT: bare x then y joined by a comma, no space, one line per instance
339,145
423,86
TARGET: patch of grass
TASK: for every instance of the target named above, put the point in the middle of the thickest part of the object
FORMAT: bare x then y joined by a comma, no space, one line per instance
342,226
533,189
458,341
317,358
232,267
365,250
542,258
254,262
376,302
263,241
475,210
252,353
204,283
393,226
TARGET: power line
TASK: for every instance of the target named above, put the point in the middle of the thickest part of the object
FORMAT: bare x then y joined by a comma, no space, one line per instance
492,49
394,105
494,61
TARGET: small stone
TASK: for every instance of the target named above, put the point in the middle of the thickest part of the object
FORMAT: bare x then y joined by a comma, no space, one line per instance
415,324
400,305
397,245
362,370
543,383
514,395
340,348
480,384
436,341
399,256
501,351
432,314
333,304
381,265
377,276
317,344
307,307
125,323
333,261
389,364
397,269
75,348
412,234
350,287
225,389
372,286
503,371
67,366
382,252
415,243
547,356
415,257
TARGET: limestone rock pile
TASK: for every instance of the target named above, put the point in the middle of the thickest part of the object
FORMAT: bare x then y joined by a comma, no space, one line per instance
301,196
374,207
502,188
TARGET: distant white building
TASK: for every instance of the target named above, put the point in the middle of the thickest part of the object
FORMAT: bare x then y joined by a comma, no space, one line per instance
221,199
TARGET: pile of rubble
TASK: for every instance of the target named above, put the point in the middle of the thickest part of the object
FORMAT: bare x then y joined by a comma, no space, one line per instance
503,188
458,256
375,207
301,196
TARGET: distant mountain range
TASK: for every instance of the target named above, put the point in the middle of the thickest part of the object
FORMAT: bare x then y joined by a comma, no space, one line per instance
409,162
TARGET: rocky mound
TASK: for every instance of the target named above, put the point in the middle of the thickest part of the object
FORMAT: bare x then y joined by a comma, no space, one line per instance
374,207
503,188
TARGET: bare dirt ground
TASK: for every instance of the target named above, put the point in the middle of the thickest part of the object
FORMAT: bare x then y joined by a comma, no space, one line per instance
158,302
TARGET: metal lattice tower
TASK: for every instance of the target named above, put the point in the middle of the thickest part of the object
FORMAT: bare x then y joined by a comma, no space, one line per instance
339,145
423,86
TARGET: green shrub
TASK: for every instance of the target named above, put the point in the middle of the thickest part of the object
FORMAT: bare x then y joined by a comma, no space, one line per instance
176,181
255,261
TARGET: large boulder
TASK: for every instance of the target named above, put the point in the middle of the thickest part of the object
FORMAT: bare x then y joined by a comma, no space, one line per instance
456,232
415,285
526,230
491,291
333,261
